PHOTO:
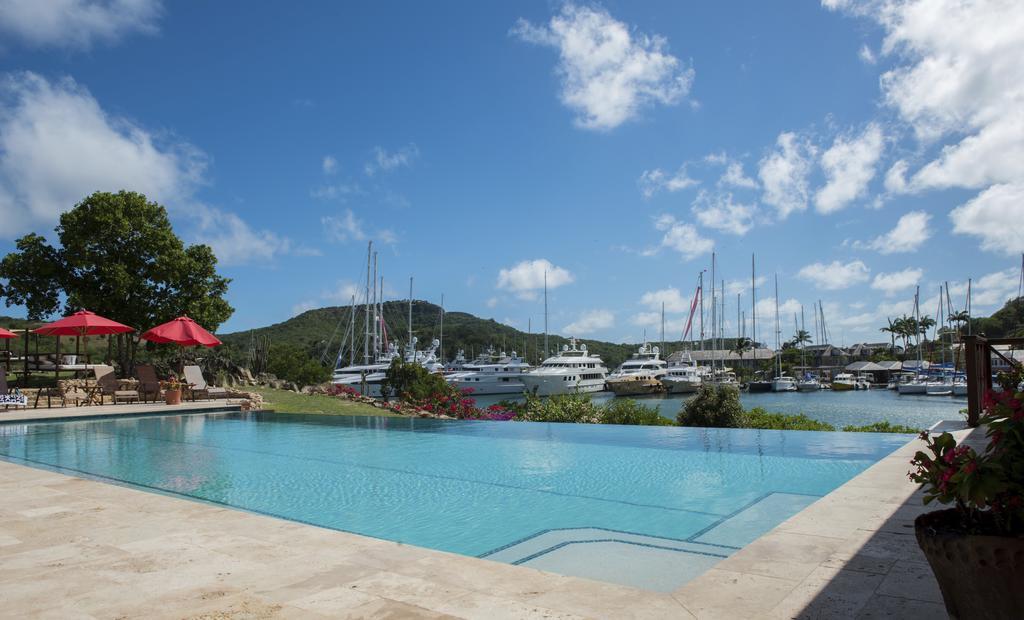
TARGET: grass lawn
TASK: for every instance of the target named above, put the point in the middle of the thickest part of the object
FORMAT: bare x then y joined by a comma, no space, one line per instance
283,401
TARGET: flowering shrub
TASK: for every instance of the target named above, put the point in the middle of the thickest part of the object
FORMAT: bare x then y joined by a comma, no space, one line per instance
986,488
342,390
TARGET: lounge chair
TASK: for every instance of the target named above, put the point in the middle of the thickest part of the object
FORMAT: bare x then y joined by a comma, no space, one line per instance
5,392
148,383
109,386
197,384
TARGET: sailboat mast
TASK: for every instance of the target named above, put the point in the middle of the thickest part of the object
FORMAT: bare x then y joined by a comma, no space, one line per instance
376,310
700,289
714,315
778,329
802,343
545,314
412,349
366,315
441,339
968,306
753,307
663,328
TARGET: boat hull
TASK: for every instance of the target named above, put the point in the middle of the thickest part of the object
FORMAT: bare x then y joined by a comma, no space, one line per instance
759,386
552,385
912,388
939,389
842,387
639,386
808,387
680,387
491,388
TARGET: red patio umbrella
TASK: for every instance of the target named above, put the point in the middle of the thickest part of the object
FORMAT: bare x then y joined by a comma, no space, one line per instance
82,323
182,331
7,334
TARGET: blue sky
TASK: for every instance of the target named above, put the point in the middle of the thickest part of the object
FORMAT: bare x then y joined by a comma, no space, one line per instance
858,148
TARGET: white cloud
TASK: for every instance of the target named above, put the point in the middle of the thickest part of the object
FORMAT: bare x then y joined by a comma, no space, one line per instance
735,177
233,241
77,24
343,292
682,238
491,302
766,317
337,191
894,282
719,211
743,286
896,177
849,166
590,322
330,165
867,55
347,227
384,160
674,326
344,228
609,72
784,172
995,216
303,306
527,277
910,232
671,297
57,146
835,275
653,181
958,78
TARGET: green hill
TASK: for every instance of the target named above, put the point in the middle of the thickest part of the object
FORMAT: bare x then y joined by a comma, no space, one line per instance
320,333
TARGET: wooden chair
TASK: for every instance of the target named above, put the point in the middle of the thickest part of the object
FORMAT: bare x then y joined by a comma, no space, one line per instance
148,382
197,384
109,387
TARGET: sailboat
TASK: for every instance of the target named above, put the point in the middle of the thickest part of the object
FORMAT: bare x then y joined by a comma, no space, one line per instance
917,385
760,383
809,383
781,382
943,386
684,376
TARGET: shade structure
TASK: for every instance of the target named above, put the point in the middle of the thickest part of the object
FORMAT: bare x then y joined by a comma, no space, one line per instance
7,334
181,331
82,323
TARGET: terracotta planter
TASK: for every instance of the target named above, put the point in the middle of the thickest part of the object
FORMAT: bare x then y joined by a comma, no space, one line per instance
172,397
980,576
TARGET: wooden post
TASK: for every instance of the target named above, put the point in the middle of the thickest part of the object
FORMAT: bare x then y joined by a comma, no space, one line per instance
979,375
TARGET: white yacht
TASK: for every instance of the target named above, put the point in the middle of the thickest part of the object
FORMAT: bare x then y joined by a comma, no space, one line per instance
960,385
683,377
641,374
942,387
458,364
919,385
501,376
783,383
355,375
844,382
809,383
572,370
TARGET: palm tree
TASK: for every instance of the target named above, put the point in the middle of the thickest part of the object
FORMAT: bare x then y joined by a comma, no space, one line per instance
801,337
960,318
924,324
892,333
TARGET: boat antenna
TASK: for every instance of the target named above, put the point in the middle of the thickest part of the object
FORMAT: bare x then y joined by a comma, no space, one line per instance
441,339
412,349
753,307
662,328
700,289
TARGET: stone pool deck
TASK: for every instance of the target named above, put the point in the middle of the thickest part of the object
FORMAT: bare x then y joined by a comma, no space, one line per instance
76,548
97,411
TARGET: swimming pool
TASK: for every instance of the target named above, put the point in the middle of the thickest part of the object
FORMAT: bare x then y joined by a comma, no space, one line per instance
646,506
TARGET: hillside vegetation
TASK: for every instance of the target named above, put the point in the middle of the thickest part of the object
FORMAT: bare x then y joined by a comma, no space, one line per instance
320,332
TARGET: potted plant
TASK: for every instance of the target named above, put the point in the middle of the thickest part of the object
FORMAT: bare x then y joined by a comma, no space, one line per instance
976,548
172,390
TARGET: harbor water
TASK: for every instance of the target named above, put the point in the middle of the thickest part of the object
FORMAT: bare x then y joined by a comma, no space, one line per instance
836,408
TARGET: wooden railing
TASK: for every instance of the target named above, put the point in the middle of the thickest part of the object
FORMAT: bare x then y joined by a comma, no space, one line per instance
979,351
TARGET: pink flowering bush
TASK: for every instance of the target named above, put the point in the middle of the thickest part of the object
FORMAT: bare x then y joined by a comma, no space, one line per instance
342,390
988,488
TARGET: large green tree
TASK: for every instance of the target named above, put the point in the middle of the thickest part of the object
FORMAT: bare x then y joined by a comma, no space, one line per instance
117,256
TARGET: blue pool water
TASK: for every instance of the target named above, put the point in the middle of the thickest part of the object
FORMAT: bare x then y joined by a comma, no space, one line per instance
544,495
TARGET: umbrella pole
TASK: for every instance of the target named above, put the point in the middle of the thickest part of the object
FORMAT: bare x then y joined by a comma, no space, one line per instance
24,374
56,364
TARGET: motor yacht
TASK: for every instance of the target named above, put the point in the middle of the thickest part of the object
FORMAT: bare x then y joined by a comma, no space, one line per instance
784,383
640,374
941,387
573,369
844,382
683,377
501,376
367,377
917,385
